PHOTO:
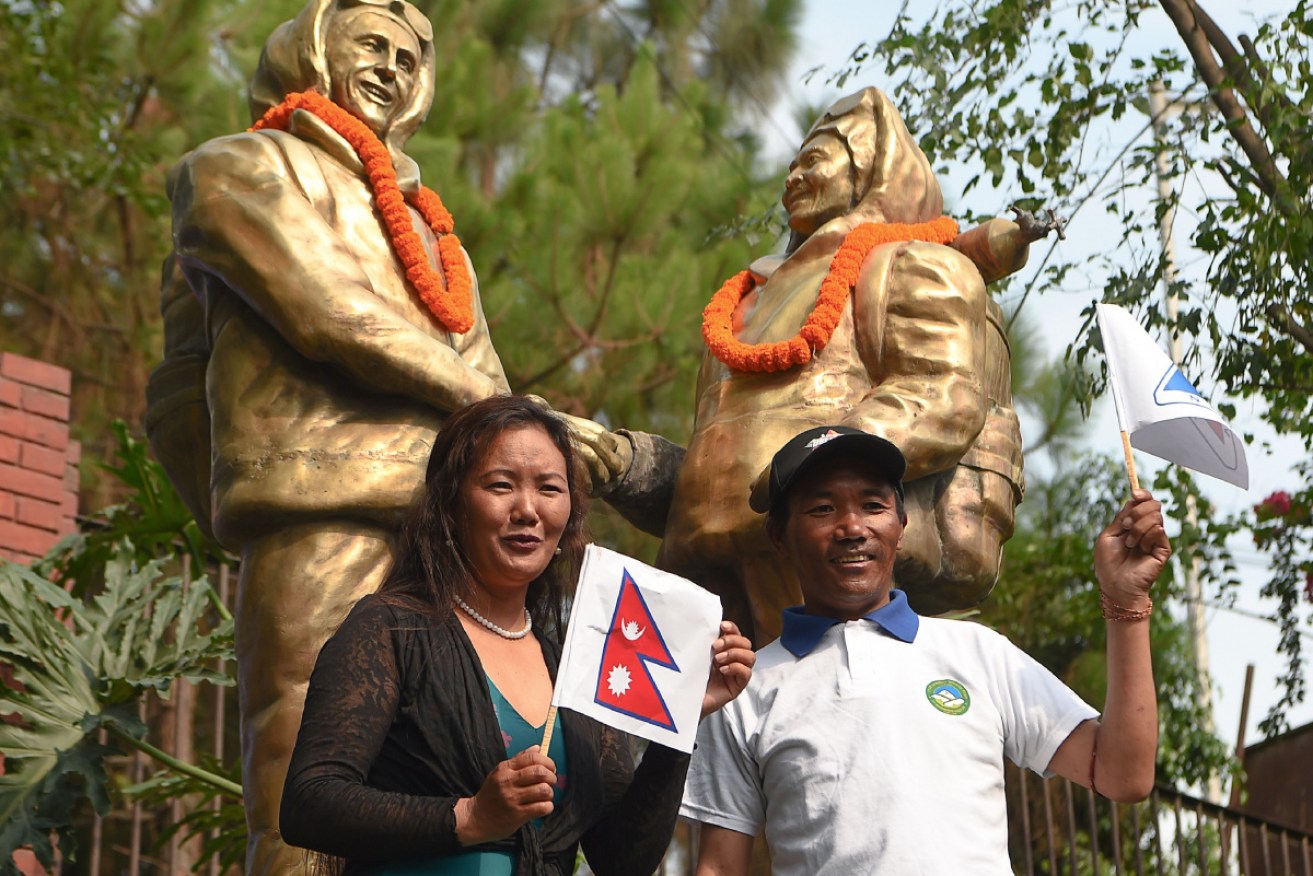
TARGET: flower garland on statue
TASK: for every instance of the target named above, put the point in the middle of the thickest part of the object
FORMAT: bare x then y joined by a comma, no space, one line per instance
718,317
454,309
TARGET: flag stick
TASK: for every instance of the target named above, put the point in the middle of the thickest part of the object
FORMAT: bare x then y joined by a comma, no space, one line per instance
1130,461
548,729
1117,401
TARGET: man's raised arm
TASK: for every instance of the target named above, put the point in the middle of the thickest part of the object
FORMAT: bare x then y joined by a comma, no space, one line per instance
1117,753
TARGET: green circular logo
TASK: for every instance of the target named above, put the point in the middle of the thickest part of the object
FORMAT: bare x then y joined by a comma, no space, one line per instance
948,696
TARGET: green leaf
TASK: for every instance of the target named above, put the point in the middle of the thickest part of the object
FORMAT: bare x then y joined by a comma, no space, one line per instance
80,666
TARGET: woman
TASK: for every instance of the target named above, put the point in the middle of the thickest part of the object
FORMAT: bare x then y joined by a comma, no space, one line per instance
418,747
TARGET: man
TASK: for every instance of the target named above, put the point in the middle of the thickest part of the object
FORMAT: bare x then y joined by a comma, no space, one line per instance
918,355
305,378
871,740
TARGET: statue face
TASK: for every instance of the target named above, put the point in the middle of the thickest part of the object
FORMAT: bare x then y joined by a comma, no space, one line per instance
819,186
373,62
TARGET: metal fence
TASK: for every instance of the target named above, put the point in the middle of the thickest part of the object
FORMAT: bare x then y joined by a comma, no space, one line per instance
1060,828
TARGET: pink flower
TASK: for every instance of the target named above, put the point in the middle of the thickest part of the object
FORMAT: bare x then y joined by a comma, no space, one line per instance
1275,505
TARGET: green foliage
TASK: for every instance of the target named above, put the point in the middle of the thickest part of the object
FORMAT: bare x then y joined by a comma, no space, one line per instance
152,518
1282,528
97,98
85,652
80,666
214,816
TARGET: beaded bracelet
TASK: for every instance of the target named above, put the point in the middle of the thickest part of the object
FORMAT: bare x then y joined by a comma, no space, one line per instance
1114,612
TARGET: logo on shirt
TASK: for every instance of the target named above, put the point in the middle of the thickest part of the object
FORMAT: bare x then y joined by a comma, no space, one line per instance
948,696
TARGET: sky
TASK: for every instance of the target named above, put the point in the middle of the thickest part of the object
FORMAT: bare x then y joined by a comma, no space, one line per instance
830,30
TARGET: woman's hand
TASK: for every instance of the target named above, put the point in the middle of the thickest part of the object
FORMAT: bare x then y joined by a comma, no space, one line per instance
732,659
1131,552
517,791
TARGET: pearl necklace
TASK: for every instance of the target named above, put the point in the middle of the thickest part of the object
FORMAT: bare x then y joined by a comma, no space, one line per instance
501,631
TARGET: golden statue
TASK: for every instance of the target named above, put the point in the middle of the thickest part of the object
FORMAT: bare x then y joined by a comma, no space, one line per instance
917,353
305,377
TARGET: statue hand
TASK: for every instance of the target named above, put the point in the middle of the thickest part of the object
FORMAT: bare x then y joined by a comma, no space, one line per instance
1034,227
606,455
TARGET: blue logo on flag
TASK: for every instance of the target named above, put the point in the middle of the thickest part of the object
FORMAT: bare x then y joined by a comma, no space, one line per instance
1174,389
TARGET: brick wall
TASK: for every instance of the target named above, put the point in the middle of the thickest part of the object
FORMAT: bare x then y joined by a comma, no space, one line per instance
38,462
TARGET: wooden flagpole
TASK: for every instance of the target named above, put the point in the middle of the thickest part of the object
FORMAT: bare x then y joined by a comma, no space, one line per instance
1130,461
548,729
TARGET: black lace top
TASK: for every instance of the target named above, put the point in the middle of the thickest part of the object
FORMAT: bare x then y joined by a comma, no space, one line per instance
399,724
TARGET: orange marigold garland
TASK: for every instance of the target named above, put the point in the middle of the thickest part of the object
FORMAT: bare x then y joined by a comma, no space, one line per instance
454,308
718,317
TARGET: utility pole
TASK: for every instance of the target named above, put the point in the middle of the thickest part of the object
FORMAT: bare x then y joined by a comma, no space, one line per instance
1194,596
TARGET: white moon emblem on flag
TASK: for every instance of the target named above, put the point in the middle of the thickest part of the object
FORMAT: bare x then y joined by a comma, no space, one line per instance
618,680
631,630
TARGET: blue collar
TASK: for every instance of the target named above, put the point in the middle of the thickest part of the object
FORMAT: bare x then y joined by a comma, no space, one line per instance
802,632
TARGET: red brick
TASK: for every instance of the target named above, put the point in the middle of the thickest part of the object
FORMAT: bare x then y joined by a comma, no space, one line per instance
7,506
12,422
67,526
30,483
39,430
35,373
72,479
74,452
38,513
37,458
10,393
45,403
68,506
26,539
8,449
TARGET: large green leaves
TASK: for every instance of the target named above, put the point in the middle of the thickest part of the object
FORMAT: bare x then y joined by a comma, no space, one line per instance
80,666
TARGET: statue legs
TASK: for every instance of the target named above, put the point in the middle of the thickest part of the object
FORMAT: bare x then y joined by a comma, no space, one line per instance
296,587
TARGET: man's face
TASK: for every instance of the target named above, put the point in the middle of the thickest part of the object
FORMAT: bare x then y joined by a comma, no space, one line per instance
819,186
373,61
842,535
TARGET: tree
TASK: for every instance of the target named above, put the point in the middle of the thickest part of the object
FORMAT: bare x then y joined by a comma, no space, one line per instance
1042,98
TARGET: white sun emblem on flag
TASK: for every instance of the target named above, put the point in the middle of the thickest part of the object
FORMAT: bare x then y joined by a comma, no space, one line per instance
618,680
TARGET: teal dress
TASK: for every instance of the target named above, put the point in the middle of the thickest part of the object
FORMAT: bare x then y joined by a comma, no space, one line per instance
519,734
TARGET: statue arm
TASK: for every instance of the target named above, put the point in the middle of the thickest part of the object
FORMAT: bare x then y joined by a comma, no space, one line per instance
919,326
239,214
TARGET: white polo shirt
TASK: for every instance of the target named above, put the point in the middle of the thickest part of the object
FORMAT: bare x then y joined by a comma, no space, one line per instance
875,755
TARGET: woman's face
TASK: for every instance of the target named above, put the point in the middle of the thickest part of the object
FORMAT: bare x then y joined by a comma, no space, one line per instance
517,502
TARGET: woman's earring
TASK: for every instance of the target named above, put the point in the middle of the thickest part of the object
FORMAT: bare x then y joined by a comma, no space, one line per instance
558,552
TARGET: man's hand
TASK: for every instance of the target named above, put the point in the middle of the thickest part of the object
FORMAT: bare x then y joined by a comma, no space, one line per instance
732,659
1131,552
517,791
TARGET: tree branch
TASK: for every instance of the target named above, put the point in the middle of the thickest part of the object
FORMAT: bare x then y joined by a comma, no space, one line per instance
1195,28
1286,322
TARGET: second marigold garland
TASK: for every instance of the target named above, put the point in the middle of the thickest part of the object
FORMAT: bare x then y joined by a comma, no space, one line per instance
718,317
455,308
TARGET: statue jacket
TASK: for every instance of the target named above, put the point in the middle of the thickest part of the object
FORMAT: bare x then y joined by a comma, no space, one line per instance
325,377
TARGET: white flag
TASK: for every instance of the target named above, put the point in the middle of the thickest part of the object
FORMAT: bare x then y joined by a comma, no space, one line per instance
1160,409
638,650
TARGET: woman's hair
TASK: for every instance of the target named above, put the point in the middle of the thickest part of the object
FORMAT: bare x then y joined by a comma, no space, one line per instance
431,564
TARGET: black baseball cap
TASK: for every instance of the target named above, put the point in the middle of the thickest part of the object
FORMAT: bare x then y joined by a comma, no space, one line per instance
805,449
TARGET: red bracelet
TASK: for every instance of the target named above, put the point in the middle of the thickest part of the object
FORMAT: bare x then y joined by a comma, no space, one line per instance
1114,612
